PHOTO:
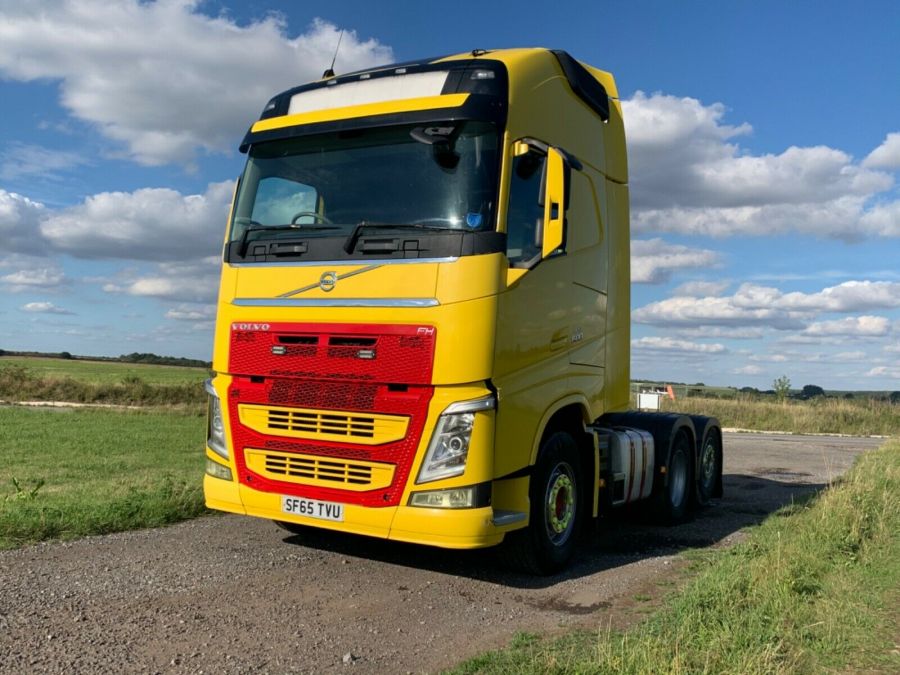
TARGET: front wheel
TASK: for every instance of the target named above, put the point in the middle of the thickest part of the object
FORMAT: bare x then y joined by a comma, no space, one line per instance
548,543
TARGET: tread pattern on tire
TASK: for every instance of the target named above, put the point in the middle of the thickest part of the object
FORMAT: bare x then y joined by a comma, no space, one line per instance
527,549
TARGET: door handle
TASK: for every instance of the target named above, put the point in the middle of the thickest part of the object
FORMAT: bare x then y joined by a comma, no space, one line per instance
559,339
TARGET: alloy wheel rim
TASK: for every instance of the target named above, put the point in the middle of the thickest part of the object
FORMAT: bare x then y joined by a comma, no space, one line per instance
560,504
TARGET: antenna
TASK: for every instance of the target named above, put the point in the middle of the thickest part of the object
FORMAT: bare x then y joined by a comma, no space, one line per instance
330,71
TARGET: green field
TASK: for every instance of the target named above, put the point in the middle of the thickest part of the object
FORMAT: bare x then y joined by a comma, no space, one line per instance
110,386
67,473
815,588
104,372
857,417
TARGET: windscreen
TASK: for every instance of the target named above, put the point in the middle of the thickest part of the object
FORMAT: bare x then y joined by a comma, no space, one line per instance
440,176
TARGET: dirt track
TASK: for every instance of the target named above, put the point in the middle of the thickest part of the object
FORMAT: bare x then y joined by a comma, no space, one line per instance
233,595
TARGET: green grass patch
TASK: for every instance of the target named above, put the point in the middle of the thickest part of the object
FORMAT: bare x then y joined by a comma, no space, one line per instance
104,372
819,415
96,385
813,589
66,473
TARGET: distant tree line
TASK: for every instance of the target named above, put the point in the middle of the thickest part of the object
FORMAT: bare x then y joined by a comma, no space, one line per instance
156,359
781,390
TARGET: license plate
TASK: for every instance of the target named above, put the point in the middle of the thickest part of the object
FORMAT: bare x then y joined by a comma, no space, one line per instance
313,508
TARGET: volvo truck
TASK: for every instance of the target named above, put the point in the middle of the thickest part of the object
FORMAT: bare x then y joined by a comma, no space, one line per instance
423,321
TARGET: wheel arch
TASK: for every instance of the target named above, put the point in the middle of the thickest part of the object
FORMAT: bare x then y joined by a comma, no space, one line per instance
571,413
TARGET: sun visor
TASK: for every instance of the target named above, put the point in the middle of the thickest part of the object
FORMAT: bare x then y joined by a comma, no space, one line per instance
367,91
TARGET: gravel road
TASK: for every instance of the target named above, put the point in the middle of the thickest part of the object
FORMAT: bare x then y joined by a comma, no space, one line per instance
227,594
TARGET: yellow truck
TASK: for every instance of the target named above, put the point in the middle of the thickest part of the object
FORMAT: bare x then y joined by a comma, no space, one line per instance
423,321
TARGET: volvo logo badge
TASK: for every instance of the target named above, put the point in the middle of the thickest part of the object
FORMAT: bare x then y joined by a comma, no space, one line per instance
327,281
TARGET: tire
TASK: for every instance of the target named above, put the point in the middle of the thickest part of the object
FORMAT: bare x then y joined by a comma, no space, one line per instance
557,510
709,467
293,528
675,497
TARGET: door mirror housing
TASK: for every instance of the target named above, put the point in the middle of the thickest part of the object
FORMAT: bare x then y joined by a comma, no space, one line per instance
555,193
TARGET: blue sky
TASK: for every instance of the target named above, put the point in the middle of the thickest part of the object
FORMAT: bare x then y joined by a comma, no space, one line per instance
764,148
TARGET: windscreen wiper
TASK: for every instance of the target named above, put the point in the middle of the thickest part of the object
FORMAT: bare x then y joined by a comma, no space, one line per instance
353,237
245,237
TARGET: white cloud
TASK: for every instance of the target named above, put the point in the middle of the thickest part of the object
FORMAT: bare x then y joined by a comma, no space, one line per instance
19,218
21,159
854,326
844,218
886,155
30,278
192,313
669,345
163,78
653,261
44,308
701,289
882,219
689,176
748,370
667,137
148,224
692,312
192,282
721,332
892,372
845,357
850,296
753,305
770,358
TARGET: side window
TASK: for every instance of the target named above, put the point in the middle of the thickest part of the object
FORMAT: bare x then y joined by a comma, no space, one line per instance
280,201
525,213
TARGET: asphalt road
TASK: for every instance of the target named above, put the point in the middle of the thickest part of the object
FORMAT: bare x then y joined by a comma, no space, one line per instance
227,594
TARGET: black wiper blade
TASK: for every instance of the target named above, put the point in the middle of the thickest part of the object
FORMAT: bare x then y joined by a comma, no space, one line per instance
245,237
353,237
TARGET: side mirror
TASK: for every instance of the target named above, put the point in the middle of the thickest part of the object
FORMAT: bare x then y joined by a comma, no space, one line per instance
554,203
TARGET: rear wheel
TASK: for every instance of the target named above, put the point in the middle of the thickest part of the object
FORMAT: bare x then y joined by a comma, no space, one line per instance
709,467
549,541
673,500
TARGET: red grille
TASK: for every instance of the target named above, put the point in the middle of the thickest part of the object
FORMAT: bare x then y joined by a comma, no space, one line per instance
373,353
359,368
321,394
412,401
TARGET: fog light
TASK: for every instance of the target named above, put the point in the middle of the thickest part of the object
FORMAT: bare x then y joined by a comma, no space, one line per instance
469,497
216,470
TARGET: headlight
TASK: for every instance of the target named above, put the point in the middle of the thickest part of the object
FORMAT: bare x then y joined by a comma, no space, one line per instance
215,425
449,446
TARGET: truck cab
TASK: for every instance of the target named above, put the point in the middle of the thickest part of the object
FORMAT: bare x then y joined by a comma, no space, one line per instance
424,308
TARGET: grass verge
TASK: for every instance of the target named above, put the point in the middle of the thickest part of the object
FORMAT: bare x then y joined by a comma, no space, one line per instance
812,589
821,415
67,473
105,372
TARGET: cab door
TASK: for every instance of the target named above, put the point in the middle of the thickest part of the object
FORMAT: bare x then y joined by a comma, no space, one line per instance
535,311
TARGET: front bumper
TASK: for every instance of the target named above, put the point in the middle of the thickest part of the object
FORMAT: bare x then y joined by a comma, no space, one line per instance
445,528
